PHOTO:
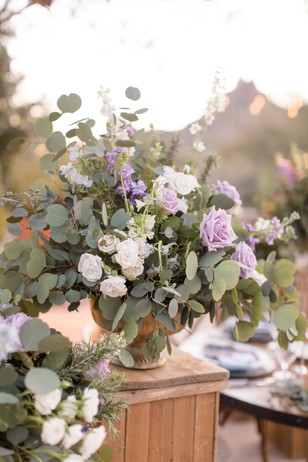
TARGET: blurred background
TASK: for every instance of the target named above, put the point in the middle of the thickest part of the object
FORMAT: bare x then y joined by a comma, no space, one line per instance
170,50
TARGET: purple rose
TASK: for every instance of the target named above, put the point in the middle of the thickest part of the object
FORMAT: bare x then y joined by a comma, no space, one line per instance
171,203
17,321
223,187
244,255
216,231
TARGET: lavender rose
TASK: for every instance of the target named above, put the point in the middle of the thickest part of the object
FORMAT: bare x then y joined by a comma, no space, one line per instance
171,203
244,255
223,187
216,231
17,321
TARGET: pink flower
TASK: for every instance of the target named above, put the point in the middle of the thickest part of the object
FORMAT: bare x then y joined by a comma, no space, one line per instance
223,187
244,255
216,231
171,203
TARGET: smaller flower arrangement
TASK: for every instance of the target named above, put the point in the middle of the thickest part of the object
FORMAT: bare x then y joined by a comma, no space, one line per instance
54,396
291,192
142,236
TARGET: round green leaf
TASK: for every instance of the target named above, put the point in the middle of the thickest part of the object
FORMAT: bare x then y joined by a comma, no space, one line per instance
10,280
57,215
143,307
130,330
5,296
53,116
196,306
173,308
218,289
43,127
56,297
48,163
40,380
243,331
229,271
32,332
285,316
36,263
54,342
19,212
15,144
56,142
17,435
284,273
132,93
126,358
191,265
69,103
7,376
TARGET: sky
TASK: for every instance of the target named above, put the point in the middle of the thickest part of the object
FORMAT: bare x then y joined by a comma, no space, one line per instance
169,49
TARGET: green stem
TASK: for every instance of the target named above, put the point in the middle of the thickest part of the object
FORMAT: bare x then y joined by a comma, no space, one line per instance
124,192
159,255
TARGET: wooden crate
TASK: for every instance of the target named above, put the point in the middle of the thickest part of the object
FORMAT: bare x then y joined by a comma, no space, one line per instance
173,412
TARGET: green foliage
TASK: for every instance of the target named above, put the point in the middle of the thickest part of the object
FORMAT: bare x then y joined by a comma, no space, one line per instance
109,233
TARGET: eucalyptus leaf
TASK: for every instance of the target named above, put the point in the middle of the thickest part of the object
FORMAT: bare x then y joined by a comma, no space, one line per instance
243,331
69,103
132,93
17,435
40,380
126,358
212,258
118,316
54,342
173,308
56,142
191,265
285,316
57,215
36,263
32,332
43,127
7,376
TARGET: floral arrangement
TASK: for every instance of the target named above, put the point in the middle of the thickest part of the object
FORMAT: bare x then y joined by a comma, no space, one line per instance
54,396
291,192
141,236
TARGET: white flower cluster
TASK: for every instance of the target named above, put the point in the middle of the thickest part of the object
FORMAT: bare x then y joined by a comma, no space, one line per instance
129,254
72,175
58,429
107,108
216,102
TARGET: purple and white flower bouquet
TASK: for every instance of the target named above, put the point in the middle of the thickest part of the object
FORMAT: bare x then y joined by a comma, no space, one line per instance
141,235
56,398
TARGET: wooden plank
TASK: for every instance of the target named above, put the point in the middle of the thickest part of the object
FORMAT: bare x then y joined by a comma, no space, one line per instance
205,428
180,369
145,395
183,429
137,433
160,436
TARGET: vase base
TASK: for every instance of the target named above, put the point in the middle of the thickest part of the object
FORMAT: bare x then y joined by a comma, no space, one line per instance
140,361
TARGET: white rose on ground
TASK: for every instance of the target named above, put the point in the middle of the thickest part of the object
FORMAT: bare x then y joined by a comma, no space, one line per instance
91,403
47,402
72,436
92,441
127,253
69,407
108,243
53,431
114,286
90,266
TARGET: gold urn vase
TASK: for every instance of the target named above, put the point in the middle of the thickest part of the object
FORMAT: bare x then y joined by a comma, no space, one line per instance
146,328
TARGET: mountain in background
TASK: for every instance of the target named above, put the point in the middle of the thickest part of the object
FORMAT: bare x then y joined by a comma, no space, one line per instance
246,144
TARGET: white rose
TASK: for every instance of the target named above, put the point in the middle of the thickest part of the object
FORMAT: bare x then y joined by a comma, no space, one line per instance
184,184
92,441
47,402
127,253
91,403
90,267
72,436
134,271
114,286
69,407
53,431
108,243
258,277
